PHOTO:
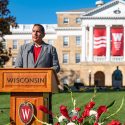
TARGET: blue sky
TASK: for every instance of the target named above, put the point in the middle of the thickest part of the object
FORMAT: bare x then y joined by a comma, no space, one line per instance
44,11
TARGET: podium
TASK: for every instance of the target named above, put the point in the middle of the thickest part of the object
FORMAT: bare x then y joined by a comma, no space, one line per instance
29,88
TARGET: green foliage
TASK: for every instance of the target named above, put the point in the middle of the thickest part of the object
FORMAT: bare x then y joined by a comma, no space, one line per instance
4,26
111,104
6,20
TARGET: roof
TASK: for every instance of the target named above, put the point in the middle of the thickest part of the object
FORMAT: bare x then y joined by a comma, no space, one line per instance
81,10
90,11
103,7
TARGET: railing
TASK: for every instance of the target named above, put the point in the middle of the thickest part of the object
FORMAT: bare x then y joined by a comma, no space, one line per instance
99,58
112,59
117,59
28,27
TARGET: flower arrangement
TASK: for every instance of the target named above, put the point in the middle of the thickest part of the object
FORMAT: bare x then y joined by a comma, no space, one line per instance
89,116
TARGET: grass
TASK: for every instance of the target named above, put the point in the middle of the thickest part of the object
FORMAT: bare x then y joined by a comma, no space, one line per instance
102,98
4,108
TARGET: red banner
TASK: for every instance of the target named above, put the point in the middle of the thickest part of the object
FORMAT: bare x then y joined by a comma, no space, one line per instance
117,36
99,41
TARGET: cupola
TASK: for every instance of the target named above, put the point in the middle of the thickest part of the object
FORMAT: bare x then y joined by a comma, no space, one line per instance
99,3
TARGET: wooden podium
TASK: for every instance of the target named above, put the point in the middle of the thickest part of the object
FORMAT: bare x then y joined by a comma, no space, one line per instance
29,88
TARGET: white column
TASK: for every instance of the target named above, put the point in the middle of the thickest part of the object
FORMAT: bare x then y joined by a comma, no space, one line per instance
108,43
124,43
83,57
91,42
87,42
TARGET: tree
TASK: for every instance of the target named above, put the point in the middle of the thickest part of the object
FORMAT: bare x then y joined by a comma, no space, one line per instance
6,20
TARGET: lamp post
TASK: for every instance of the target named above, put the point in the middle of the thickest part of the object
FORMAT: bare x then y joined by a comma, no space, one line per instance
10,54
89,77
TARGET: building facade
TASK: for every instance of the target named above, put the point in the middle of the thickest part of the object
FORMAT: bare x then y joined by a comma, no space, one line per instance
90,44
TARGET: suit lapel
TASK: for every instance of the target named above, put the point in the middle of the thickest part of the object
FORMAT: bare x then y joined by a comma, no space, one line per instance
30,53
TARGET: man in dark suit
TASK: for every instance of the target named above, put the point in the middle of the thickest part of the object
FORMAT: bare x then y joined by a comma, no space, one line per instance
37,54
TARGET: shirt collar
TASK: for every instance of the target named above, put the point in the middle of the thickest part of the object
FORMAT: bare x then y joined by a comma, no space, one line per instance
37,46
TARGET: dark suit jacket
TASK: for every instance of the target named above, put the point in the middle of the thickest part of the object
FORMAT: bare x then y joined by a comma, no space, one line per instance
47,58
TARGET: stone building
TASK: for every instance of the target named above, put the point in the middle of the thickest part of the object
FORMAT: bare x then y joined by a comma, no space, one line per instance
89,42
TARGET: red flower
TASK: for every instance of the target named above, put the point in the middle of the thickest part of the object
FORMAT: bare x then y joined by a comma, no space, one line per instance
64,112
57,123
114,122
44,109
74,118
77,109
85,113
90,105
87,109
95,123
80,120
101,110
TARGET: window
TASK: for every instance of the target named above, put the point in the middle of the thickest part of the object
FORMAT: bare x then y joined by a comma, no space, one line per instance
15,42
26,41
78,40
77,57
65,58
13,60
50,41
66,20
65,41
78,20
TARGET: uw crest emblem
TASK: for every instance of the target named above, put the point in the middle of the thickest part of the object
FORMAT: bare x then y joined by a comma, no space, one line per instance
26,112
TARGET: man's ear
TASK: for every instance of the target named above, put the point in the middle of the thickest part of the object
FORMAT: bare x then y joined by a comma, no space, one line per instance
42,35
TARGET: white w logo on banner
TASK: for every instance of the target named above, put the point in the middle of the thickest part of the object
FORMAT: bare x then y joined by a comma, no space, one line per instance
117,40
117,36
25,113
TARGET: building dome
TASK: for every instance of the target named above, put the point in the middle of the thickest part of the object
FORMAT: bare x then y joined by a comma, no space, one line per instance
99,3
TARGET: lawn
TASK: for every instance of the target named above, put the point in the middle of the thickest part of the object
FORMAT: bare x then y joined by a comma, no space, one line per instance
4,108
102,98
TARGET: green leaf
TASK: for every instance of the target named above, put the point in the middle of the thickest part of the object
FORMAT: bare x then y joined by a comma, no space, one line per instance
111,104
